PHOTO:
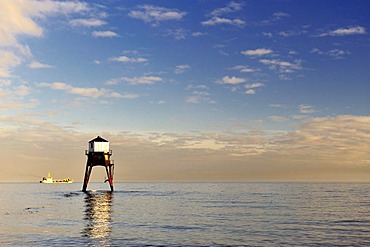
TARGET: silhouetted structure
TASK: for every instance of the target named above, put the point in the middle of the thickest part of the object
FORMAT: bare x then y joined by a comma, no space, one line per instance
99,155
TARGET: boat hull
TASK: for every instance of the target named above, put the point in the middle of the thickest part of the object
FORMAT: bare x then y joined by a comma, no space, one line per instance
50,180
56,182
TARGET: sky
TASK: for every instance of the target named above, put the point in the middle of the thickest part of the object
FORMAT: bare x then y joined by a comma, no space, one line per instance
187,90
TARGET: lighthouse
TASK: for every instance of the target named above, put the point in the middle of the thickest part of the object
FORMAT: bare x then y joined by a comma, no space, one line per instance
98,154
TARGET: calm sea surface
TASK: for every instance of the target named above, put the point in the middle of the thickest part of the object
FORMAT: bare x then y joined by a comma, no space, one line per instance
185,214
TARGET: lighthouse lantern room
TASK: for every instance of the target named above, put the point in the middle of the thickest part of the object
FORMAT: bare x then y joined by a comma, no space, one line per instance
98,145
98,154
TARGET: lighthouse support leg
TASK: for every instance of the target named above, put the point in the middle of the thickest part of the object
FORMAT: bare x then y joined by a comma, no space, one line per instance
87,177
108,169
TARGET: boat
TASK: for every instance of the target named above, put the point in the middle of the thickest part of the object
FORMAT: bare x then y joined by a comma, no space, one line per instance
50,180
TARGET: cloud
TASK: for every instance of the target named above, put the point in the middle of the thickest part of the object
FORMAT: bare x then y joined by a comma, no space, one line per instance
197,97
86,92
254,85
181,68
124,96
229,8
244,69
277,105
282,66
251,87
15,96
37,65
22,90
178,34
339,140
257,52
306,109
267,34
232,80
345,31
292,33
277,16
196,87
8,60
250,91
159,102
154,15
278,119
280,15
142,80
326,149
334,53
125,59
219,20
18,17
198,34
92,22
16,104
23,18
104,34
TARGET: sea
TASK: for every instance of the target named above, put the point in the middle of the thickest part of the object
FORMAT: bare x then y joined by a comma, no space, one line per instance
185,214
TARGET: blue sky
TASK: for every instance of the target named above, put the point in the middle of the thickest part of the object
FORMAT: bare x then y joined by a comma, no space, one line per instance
235,82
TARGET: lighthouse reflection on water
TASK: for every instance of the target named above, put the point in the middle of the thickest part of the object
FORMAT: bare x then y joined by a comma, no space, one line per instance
98,211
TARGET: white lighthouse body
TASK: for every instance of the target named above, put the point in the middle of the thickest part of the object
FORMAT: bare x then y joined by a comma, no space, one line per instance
98,145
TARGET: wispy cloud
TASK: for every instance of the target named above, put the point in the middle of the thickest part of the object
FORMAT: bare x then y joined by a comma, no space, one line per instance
198,34
220,20
104,34
229,8
198,97
92,22
244,69
277,105
254,85
126,59
17,104
9,91
277,16
8,60
251,88
232,80
181,68
37,65
280,15
292,33
199,94
278,119
282,66
154,15
201,86
178,34
15,96
142,80
306,109
345,31
334,53
86,92
257,52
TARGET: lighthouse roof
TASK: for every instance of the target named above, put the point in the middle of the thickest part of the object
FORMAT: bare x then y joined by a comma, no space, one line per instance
98,139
